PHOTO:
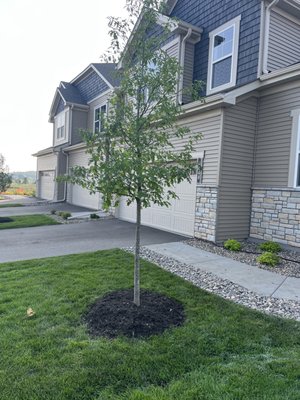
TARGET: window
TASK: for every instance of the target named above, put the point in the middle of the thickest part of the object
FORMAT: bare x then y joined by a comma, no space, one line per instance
297,166
100,113
60,126
60,132
223,56
294,170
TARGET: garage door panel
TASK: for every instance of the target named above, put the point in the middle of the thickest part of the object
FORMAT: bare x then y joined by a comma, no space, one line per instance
78,195
178,218
47,185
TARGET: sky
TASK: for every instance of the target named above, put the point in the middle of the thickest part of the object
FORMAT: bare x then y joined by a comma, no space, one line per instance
43,42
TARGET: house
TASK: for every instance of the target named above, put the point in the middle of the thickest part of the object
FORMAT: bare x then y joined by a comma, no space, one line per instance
248,54
77,105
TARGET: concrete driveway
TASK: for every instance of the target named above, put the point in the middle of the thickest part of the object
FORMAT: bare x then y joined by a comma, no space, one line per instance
42,208
48,241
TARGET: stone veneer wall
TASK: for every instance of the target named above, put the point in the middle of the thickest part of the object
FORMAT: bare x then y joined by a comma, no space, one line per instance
276,215
206,213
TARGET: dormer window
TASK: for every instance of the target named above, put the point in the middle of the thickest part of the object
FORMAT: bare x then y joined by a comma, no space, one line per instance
99,115
223,56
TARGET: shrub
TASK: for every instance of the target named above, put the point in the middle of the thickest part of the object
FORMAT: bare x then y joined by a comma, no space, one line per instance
94,216
53,212
232,245
64,214
270,247
268,258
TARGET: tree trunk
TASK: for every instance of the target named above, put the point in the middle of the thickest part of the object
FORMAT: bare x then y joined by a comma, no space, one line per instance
137,294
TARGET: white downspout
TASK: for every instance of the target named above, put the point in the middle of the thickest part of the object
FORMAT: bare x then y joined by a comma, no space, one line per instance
267,34
182,55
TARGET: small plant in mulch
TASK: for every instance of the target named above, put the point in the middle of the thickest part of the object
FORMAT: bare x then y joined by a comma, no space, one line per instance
94,216
271,247
115,315
268,258
5,219
232,245
64,214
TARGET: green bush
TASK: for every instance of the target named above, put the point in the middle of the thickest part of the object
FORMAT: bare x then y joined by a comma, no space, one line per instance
268,258
53,212
64,214
270,247
94,216
232,245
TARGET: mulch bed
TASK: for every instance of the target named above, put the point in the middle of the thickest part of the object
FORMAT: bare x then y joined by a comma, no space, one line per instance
115,315
289,264
5,219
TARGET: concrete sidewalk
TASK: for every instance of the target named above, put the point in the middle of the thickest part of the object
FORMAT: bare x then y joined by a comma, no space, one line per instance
257,280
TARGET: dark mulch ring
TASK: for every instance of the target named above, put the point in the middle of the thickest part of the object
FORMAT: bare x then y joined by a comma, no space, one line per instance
5,219
115,315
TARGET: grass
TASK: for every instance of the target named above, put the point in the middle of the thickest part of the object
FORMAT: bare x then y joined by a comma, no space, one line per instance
224,351
27,221
7,205
24,189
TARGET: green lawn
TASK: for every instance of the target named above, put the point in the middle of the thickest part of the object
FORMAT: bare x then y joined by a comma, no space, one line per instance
6,205
26,221
223,351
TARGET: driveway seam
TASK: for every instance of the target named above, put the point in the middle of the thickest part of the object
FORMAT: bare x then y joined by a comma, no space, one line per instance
271,295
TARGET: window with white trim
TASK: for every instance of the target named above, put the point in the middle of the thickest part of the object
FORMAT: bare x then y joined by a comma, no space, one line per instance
297,166
99,115
60,126
223,56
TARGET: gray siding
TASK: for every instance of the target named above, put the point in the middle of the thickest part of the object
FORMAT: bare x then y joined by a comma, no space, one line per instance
61,170
274,138
209,15
234,203
284,43
79,121
209,124
188,70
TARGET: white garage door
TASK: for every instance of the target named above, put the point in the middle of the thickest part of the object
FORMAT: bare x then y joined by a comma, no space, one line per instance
178,218
82,197
47,185
76,194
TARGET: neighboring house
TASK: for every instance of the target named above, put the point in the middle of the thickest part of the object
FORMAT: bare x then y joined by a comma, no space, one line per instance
248,54
77,105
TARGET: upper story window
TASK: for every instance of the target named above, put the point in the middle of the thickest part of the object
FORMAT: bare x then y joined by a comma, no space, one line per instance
99,115
60,126
223,56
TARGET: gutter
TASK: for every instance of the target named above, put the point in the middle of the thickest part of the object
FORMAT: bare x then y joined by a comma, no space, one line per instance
182,56
267,34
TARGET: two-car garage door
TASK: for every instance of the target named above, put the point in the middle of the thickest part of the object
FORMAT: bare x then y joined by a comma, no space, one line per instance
178,218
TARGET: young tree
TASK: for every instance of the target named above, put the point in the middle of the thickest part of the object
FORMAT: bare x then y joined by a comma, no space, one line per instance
133,155
5,177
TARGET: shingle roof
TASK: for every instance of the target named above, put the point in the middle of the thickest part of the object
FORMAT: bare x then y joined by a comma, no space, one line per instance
70,93
108,71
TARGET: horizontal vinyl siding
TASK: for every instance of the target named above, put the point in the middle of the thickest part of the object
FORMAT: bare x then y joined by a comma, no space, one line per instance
188,70
209,124
47,163
284,43
79,122
234,203
274,138
173,51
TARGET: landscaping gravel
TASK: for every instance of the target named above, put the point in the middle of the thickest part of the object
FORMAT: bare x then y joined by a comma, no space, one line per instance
249,254
224,287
